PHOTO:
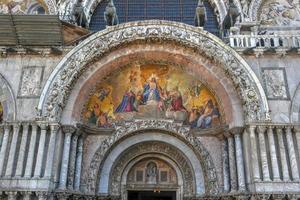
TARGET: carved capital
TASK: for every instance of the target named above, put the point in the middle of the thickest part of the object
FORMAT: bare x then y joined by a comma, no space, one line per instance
42,125
42,195
62,196
236,130
54,127
297,129
261,129
11,195
278,129
68,129
27,195
25,125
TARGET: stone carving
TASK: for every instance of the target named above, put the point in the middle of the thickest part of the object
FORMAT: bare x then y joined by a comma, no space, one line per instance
280,13
275,83
31,79
170,127
200,15
153,147
7,100
245,8
245,81
110,14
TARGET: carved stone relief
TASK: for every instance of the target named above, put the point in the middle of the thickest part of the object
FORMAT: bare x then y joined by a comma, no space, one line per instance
30,85
147,148
275,83
58,89
169,127
280,13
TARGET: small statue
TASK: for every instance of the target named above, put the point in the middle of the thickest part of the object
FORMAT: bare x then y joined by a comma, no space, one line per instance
110,14
79,15
200,15
231,16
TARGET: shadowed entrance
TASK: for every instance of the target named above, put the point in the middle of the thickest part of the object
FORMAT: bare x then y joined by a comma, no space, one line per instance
151,195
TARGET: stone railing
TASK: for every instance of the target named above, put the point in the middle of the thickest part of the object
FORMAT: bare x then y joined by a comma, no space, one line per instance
264,41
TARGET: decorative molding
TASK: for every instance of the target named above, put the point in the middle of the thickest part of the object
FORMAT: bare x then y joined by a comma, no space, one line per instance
63,78
169,127
52,7
253,10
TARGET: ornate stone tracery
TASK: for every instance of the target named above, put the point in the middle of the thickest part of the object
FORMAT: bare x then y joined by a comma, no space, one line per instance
168,127
59,86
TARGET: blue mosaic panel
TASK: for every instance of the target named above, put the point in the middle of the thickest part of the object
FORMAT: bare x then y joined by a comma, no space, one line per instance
172,10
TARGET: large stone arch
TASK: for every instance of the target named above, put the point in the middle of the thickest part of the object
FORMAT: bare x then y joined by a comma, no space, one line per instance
7,100
64,76
174,132
152,149
295,106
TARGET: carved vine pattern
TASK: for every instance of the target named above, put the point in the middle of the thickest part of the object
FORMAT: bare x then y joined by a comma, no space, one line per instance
177,129
152,147
184,35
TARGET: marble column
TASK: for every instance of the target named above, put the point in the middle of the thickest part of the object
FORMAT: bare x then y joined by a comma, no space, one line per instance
51,149
41,149
283,159
12,151
297,133
292,154
4,147
226,178
254,158
232,165
240,161
274,160
68,130
21,158
30,157
263,153
12,195
78,164
71,171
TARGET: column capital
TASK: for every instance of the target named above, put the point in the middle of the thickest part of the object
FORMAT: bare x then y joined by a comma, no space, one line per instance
6,125
16,125
42,125
42,195
25,124
297,128
68,129
279,129
236,130
287,128
11,194
26,195
54,126
261,129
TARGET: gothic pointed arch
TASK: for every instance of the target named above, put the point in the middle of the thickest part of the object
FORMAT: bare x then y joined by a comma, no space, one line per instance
59,86
7,100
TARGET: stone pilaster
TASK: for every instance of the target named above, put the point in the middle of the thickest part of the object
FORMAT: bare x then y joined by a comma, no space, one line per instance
263,153
78,164
72,162
239,159
30,157
273,154
254,158
41,149
283,158
12,151
232,165
20,164
68,130
12,195
226,178
4,147
292,154
51,149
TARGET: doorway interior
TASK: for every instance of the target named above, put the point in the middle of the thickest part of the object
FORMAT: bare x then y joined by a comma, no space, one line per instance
151,195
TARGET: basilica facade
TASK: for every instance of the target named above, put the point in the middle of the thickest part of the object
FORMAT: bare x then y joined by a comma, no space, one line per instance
130,100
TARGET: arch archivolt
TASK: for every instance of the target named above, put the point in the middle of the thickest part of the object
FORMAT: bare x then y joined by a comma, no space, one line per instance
52,7
138,131
64,77
254,9
7,100
150,150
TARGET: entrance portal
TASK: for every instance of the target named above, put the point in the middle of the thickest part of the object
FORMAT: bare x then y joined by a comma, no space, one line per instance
151,195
